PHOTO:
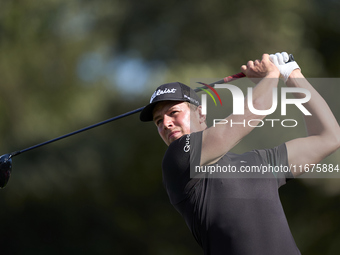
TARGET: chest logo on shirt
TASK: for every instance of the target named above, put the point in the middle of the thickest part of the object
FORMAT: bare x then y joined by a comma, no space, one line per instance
187,144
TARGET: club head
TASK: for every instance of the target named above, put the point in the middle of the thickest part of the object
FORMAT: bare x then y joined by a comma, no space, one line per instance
5,169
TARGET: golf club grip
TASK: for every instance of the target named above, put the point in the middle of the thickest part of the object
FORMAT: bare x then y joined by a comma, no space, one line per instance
224,80
291,58
237,76
231,78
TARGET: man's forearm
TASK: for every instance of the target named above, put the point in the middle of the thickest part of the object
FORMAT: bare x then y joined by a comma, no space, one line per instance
322,121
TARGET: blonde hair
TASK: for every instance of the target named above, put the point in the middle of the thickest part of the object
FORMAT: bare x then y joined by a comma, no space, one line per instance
192,106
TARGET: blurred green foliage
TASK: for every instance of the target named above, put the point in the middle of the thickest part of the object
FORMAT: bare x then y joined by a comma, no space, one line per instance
68,64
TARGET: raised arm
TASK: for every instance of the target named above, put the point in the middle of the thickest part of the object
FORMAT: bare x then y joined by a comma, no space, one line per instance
220,139
323,131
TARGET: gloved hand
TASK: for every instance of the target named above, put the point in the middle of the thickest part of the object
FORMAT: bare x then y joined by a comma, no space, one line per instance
284,64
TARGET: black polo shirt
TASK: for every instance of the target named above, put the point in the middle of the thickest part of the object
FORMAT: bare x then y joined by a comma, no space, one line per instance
230,213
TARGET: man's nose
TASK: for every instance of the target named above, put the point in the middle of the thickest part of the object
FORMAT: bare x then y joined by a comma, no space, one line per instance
167,122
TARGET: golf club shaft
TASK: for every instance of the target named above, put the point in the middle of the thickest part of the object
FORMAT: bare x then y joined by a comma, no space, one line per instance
224,80
76,132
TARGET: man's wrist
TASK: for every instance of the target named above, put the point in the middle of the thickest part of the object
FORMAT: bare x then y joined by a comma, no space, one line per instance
296,74
273,75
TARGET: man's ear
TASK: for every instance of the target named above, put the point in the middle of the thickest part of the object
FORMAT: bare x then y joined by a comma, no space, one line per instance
202,117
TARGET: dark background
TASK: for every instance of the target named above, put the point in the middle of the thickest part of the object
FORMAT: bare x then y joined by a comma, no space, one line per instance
68,64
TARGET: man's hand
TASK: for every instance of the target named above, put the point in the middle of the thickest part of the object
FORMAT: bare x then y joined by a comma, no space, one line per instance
261,69
281,62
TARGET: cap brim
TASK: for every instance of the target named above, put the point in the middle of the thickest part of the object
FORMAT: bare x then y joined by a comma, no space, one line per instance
147,113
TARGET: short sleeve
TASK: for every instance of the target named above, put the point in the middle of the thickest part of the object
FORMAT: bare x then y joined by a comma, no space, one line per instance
277,157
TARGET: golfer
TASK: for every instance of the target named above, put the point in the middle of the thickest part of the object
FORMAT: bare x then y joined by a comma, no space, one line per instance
237,215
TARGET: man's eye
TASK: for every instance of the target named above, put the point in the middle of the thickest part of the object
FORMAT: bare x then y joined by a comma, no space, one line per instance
158,122
173,112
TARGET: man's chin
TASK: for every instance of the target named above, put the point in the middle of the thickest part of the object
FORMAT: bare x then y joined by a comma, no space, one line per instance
174,138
